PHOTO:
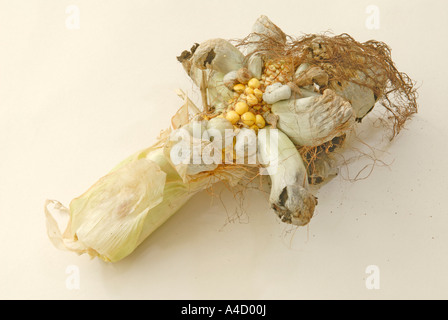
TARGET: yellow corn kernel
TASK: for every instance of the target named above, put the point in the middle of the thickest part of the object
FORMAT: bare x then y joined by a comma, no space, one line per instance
254,127
233,117
254,83
239,88
251,100
241,107
266,108
248,118
259,94
259,121
248,91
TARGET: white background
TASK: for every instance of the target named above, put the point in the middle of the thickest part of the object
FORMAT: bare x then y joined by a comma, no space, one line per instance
74,103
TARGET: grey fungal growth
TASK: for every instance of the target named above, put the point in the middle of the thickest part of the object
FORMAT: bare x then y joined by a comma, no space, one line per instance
276,92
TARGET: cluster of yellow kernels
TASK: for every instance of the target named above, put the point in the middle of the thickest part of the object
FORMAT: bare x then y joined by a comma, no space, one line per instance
276,71
246,107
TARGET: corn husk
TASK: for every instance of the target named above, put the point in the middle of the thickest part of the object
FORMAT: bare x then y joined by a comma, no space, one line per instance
124,207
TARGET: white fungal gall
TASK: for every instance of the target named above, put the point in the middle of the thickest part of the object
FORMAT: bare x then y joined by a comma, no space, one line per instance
230,79
246,146
219,130
219,55
302,68
264,28
197,129
276,92
290,196
314,120
255,66
361,98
